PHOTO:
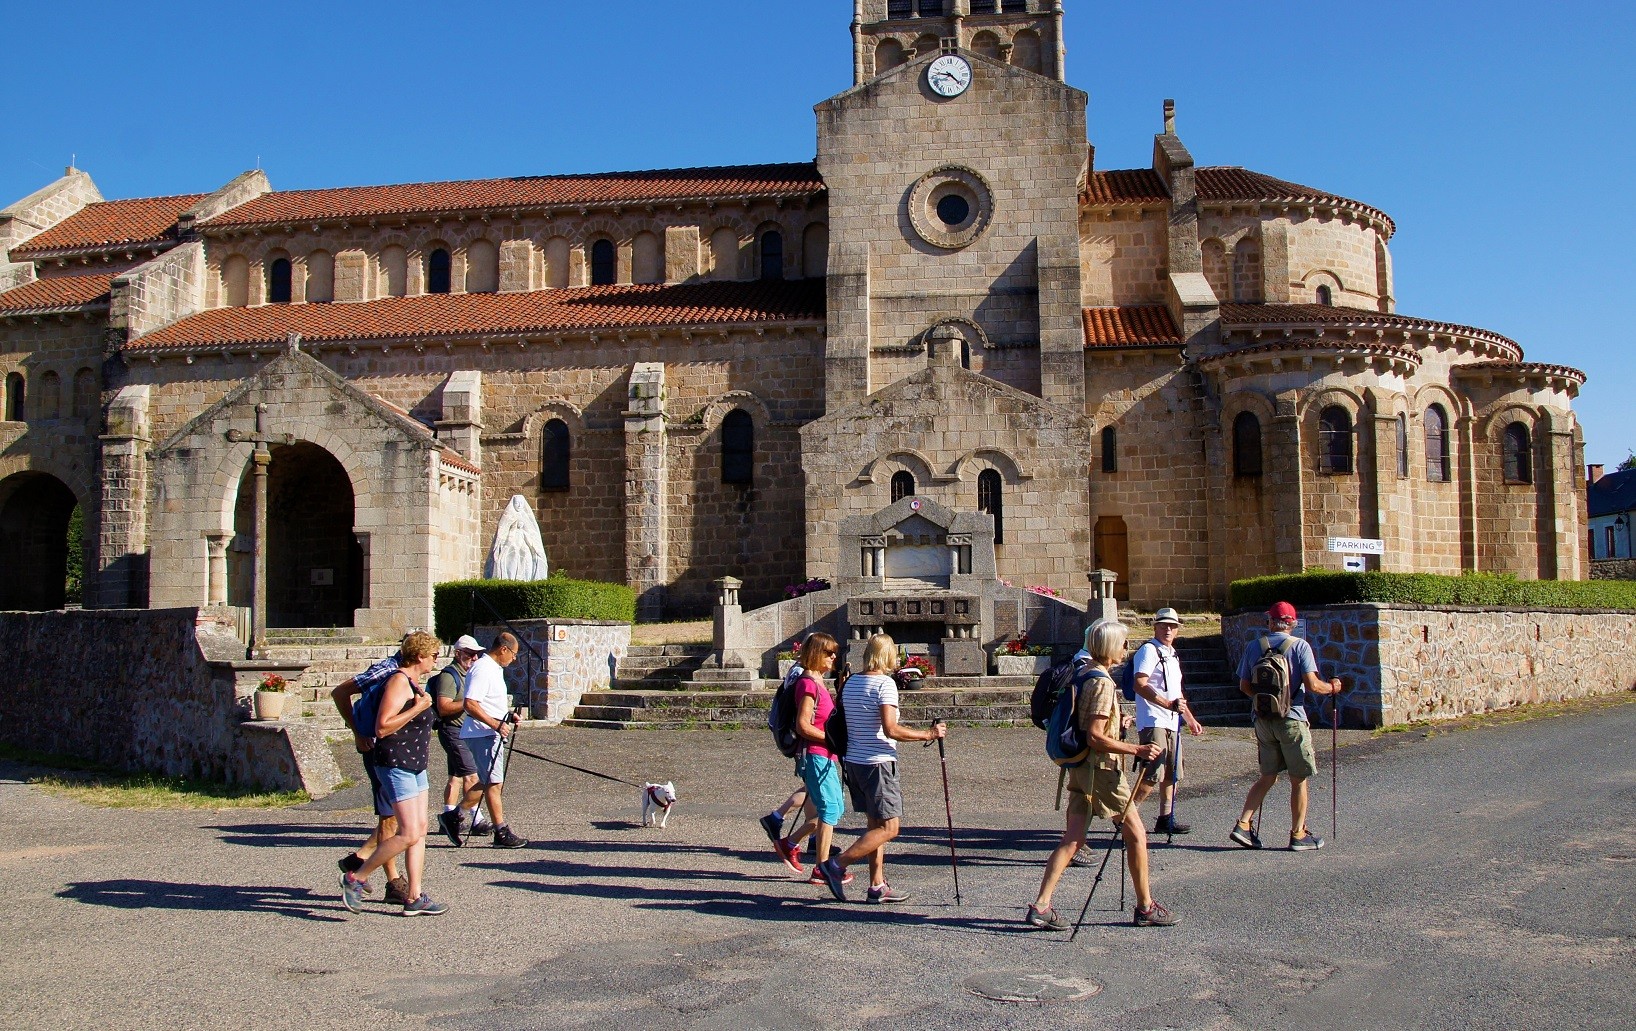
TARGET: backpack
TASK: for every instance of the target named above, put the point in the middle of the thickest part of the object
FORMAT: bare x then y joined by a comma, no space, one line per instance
1066,742
371,684
1127,672
1270,681
781,717
1048,688
835,728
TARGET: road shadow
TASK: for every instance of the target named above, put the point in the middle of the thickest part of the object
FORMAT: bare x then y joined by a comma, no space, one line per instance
293,835
297,903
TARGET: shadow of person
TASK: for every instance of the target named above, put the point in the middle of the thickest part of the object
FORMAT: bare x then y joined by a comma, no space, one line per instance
291,835
297,903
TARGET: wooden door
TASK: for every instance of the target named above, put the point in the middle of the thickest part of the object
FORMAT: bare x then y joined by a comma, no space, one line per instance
1113,552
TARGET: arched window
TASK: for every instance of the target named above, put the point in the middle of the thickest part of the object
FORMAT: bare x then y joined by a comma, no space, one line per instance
724,254
1437,444
1025,50
900,8
278,281
1326,296
482,267
1110,449
85,393
738,448
437,272
320,277
772,254
1518,454
991,500
815,251
1246,445
16,395
604,263
1335,440
903,485
888,55
554,460
1402,444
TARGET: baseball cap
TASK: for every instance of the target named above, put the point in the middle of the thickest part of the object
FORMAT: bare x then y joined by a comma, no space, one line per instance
467,643
1284,612
1167,615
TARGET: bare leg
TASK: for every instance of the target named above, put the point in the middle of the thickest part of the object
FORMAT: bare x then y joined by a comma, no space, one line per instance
1073,836
1135,836
874,838
798,797
497,813
809,825
1297,808
411,827
824,833
1258,794
455,791
385,827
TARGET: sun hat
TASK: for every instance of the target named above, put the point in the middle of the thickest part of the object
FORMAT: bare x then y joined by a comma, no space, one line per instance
1167,615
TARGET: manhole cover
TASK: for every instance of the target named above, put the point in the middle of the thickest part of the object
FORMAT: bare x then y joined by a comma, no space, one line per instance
1027,986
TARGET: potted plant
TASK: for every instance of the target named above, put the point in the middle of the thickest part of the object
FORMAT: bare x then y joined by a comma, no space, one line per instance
1018,658
914,669
269,703
786,662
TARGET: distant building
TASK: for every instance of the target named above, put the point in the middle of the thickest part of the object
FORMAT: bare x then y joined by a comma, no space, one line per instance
1610,501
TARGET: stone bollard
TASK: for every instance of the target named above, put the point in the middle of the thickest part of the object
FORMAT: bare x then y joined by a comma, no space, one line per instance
1102,604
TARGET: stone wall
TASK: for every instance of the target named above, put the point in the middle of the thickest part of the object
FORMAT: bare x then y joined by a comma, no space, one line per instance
1402,663
1614,569
579,655
165,290
159,691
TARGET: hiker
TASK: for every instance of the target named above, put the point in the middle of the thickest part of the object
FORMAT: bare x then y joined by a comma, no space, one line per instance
448,691
869,701
1097,786
1160,709
386,825
485,731
1283,743
403,732
773,822
816,764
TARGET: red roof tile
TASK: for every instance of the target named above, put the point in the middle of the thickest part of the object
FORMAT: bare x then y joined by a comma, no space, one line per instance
503,314
1521,368
1407,354
110,224
1215,184
1131,325
58,293
1126,186
523,192
1236,316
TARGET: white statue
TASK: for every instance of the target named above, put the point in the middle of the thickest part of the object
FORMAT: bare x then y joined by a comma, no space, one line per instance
518,552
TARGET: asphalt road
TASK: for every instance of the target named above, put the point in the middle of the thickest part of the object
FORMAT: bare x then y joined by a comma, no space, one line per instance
1482,878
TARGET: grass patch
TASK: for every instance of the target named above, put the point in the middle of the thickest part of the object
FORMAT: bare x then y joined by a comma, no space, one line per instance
94,785
1515,714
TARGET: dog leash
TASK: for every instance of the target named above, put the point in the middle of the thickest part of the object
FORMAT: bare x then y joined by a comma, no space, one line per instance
571,766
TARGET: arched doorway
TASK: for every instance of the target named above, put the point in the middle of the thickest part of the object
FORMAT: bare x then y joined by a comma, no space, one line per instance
35,509
315,575
1113,552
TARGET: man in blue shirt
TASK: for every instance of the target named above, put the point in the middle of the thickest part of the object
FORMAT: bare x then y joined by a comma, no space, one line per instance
1283,744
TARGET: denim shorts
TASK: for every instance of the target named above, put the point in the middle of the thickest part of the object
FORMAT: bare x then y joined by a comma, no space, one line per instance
823,780
400,785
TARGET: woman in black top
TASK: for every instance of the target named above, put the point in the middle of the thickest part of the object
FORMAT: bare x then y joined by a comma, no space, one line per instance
403,732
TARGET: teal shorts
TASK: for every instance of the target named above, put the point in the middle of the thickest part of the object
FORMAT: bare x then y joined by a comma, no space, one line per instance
823,780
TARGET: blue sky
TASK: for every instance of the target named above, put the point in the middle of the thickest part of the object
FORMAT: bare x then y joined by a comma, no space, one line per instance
1498,137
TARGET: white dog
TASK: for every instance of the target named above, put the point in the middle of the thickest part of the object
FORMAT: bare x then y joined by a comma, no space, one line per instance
656,802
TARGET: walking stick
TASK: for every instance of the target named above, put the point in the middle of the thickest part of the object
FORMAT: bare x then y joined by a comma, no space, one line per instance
1118,830
948,813
1175,783
1334,770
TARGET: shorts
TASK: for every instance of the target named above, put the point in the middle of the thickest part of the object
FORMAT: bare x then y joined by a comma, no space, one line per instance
823,780
1104,791
875,790
458,751
490,748
1285,745
400,785
377,791
1165,738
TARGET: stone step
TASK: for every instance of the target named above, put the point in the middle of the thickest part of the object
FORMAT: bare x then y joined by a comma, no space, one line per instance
684,651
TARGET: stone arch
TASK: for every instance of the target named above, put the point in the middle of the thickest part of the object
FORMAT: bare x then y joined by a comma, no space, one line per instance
1247,279
35,509
647,258
235,278
393,264
1216,271
815,250
1497,416
430,264
1457,405
558,255
320,277
927,43
771,242
1350,399
1026,52
726,250
967,466
482,266
986,44
277,276
718,409
888,55
1322,277
553,408
881,468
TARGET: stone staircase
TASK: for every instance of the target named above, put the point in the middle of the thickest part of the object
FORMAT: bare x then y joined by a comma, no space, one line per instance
1212,688
332,656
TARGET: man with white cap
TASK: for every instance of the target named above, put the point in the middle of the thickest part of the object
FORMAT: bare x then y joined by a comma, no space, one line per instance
1160,710
448,691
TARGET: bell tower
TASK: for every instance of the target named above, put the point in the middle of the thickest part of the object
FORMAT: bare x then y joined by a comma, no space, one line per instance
1026,34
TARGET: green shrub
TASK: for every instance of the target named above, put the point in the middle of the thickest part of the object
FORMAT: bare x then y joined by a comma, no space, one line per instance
557,597
1493,590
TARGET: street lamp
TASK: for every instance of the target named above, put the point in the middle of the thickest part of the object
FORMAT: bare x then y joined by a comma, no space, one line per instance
1623,524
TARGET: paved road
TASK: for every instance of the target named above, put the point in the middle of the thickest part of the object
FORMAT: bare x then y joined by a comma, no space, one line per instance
1487,882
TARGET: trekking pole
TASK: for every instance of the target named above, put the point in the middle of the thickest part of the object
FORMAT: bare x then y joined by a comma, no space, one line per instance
948,812
1118,829
1175,784
1334,770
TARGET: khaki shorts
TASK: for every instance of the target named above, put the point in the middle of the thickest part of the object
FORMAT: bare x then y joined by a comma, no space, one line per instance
1285,745
1165,739
1103,791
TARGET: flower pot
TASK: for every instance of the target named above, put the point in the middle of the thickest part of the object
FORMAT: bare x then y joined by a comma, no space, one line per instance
784,667
1021,665
269,705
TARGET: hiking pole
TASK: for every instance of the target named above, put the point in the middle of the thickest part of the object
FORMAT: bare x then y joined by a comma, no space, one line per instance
948,812
1334,770
1118,831
1175,784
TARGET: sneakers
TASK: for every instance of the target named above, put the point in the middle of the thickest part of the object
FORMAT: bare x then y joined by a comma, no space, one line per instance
1168,824
1245,836
1046,919
397,892
834,878
1154,915
818,876
1086,856
883,894
504,838
480,827
353,891
790,855
424,906
773,824
450,822
1308,842
350,863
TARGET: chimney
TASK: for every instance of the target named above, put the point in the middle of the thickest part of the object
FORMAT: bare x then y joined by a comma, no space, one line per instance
1592,473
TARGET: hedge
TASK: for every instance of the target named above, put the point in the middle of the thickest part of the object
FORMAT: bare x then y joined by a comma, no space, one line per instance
1488,590
557,597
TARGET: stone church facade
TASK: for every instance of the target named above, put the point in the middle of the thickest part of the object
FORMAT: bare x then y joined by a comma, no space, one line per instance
1187,374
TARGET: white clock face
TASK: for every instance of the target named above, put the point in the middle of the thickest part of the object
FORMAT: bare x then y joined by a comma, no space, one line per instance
949,75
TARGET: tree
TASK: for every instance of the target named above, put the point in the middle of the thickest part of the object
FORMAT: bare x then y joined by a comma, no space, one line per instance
76,557
1629,463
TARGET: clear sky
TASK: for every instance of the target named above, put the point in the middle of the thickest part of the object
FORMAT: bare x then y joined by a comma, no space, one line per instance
1498,136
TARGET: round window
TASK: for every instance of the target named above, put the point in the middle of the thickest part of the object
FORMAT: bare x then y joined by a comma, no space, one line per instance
953,209
949,207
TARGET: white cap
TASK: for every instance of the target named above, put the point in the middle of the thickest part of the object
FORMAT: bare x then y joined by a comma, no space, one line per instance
1167,615
467,643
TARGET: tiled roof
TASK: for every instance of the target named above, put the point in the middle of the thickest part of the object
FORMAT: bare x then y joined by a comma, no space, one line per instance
1521,368
1126,186
1131,325
523,192
1396,351
109,224
55,294
1215,184
1613,493
1239,316
500,314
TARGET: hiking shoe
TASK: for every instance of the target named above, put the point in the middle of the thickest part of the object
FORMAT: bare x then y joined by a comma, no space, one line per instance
1086,856
353,891
884,894
818,876
350,863
790,855
505,838
1154,915
450,822
1168,824
1308,842
834,878
1046,919
480,828
1245,836
773,824
424,906
397,892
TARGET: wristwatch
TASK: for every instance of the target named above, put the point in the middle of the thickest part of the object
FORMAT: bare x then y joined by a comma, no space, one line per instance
1176,706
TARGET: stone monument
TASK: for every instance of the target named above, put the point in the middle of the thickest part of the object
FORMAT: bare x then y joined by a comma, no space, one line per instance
518,552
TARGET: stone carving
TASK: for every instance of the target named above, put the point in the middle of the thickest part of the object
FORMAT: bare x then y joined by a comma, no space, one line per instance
518,552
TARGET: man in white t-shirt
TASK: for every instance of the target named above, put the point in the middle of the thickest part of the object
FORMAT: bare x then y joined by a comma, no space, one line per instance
1160,709
486,730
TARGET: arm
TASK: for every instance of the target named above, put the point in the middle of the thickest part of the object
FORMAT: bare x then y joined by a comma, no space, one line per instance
342,696
1316,686
476,711
448,708
803,721
890,726
1102,742
1244,689
398,689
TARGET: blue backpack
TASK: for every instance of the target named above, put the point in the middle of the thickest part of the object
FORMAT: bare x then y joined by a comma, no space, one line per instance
371,684
1127,674
1066,742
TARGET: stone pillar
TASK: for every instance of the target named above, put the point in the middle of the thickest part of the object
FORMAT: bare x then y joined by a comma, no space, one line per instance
351,273
517,265
1465,460
462,424
847,337
1378,481
681,253
1558,484
646,537
1059,46
216,570
122,533
1284,465
1102,605
728,636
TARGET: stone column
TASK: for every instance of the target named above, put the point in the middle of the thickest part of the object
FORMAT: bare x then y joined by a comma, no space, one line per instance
216,586
1466,462
681,253
1384,516
1285,462
646,527
1558,484
122,532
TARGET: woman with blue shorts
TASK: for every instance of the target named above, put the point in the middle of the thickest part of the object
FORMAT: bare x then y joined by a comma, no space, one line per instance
818,769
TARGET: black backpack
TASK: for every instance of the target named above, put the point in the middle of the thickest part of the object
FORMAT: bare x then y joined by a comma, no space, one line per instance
781,717
1048,688
1270,681
835,728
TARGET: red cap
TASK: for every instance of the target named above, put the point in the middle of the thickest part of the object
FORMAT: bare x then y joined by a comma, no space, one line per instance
1283,612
